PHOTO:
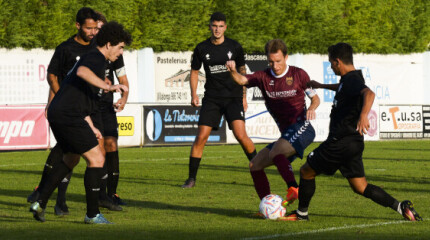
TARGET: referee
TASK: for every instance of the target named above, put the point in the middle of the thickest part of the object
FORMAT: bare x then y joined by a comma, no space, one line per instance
222,95
343,149
69,117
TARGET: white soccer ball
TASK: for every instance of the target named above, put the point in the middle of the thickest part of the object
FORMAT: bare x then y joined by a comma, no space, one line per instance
271,207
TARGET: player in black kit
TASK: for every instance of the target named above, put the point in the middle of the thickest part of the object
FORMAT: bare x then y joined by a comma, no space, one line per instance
344,146
108,111
65,56
222,95
69,117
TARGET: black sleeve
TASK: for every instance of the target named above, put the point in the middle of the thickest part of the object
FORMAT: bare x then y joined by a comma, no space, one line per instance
55,64
196,63
240,60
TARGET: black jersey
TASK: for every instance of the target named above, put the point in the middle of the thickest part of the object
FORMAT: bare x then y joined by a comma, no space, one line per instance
119,69
66,55
76,97
347,105
218,80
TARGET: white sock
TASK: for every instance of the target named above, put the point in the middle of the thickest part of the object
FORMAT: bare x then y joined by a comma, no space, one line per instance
302,213
399,209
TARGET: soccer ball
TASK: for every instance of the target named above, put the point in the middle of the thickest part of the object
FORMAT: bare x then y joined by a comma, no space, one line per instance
271,207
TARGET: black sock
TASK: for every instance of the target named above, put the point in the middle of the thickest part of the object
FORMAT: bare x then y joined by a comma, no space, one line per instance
112,161
92,179
59,171
62,188
379,196
306,191
54,157
103,183
193,167
250,156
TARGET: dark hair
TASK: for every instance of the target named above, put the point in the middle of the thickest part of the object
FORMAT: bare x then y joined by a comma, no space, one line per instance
274,45
102,17
218,16
343,51
86,13
113,33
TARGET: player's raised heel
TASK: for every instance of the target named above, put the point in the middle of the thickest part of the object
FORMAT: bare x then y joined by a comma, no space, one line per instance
38,211
409,212
292,196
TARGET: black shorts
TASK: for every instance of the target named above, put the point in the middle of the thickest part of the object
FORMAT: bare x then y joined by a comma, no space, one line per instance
214,108
109,120
96,117
74,138
345,154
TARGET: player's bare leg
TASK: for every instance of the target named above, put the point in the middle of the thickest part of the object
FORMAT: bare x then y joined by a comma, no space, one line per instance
196,155
239,132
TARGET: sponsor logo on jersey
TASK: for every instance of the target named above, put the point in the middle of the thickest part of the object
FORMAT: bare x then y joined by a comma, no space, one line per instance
272,82
218,69
289,81
208,57
282,94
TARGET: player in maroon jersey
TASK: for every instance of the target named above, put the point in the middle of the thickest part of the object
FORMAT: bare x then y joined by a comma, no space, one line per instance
284,88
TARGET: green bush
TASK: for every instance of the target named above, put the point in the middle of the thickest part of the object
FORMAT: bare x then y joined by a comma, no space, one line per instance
307,26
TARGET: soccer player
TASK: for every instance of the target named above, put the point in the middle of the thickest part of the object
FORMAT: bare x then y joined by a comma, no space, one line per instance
344,146
110,130
222,95
284,88
65,56
69,117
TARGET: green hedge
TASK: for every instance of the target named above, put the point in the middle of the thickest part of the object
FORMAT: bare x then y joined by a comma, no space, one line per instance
307,26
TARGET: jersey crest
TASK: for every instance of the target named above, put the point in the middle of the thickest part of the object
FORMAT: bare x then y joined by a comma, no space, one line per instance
289,81
229,54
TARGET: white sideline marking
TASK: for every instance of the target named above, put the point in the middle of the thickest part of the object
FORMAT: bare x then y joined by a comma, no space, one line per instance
326,230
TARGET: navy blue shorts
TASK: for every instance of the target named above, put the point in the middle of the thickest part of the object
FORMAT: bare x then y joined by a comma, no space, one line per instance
300,135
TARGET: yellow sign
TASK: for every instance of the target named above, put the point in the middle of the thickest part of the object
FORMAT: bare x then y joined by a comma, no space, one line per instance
125,126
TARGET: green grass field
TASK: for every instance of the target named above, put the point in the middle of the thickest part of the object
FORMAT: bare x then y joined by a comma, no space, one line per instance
222,204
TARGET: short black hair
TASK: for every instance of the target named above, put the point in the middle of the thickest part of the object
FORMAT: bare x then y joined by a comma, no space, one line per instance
113,33
341,50
218,16
102,17
274,45
86,13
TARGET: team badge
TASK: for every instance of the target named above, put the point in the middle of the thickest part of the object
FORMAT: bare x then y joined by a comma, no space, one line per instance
229,54
208,57
289,81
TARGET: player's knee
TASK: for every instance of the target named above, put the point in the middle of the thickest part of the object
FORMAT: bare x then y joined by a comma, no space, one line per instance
110,146
306,172
254,167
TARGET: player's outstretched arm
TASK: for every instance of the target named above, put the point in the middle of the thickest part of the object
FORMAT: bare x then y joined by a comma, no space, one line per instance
194,80
237,77
315,84
363,122
89,76
53,82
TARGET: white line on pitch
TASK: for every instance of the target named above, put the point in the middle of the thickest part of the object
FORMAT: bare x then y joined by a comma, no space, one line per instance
326,230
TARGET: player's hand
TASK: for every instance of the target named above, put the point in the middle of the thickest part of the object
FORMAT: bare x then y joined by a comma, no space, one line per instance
119,105
313,84
108,82
231,66
195,101
363,125
310,114
118,88
97,133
